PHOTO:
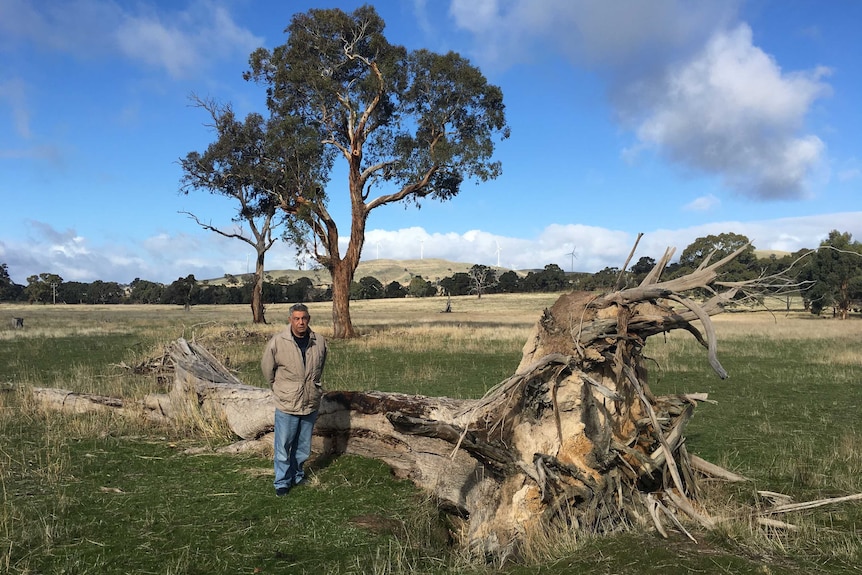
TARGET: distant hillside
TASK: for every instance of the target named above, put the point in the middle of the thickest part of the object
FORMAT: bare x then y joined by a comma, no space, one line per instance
766,254
384,270
403,271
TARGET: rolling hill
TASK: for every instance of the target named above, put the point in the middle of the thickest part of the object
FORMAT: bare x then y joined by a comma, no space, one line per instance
403,271
384,270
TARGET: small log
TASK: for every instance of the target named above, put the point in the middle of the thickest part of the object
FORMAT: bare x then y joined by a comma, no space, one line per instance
805,505
776,524
713,470
73,402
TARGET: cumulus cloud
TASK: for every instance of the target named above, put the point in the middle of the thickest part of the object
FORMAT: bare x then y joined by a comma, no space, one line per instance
596,248
182,43
730,111
685,77
162,258
605,36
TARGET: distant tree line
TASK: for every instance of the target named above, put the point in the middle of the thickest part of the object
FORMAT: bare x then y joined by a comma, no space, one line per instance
828,278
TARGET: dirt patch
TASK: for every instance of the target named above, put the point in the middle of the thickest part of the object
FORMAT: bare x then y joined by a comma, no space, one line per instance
378,524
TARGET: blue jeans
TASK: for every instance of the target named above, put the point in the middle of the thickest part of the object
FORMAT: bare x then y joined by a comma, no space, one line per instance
292,447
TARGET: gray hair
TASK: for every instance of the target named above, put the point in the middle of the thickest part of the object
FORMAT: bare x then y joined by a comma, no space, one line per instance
299,307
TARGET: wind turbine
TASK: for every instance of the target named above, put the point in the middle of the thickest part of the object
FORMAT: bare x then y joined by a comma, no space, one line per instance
574,255
498,253
422,249
378,250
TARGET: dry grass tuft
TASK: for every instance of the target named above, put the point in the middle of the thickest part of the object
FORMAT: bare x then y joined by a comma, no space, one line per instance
206,424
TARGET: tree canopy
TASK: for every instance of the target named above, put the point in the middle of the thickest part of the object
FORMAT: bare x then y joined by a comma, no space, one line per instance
42,288
718,247
835,269
9,290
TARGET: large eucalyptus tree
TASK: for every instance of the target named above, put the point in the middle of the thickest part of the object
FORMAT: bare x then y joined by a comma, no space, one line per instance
409,125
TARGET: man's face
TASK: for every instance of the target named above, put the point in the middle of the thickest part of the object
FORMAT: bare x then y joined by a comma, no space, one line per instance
299,323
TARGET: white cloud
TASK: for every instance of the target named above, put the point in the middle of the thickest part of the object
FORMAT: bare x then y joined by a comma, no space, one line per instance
72,248
702,204
49,153
612,36
730,111
156,44
181,42
79,27
73,257
850,174
690,83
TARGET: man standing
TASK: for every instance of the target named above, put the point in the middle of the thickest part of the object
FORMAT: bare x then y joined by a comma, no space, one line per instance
292,364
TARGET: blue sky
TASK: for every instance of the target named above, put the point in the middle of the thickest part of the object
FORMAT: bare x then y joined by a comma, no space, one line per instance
673,118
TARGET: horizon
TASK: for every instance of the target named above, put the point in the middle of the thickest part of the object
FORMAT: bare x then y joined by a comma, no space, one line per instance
298,273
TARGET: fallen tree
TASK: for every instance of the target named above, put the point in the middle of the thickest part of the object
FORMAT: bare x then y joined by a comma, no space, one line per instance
574,439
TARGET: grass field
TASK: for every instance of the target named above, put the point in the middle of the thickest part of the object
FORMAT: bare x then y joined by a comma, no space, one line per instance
106,494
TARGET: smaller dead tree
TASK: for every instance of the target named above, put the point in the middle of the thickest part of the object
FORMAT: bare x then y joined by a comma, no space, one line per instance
482,278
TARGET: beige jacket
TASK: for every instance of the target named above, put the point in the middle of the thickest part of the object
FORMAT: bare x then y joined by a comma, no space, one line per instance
296,388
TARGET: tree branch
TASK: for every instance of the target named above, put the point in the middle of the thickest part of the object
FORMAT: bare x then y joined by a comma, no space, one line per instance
217,230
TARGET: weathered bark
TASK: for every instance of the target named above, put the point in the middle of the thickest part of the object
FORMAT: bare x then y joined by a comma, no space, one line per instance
342,276
257,308
574,438
73,402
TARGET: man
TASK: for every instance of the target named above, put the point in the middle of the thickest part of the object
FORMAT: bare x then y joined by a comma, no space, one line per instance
292,363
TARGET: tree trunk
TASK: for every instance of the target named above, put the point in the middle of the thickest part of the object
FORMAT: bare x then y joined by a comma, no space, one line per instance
257,308
343,269
342,276
574,439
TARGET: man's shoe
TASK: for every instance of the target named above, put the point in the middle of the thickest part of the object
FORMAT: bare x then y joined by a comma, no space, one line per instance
282,491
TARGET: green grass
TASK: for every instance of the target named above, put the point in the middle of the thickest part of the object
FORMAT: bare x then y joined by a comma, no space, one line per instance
781,411
51,359
138,504
457,374
788,418
104,494
201,515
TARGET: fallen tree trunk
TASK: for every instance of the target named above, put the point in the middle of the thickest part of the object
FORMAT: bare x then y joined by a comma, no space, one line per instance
573,439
